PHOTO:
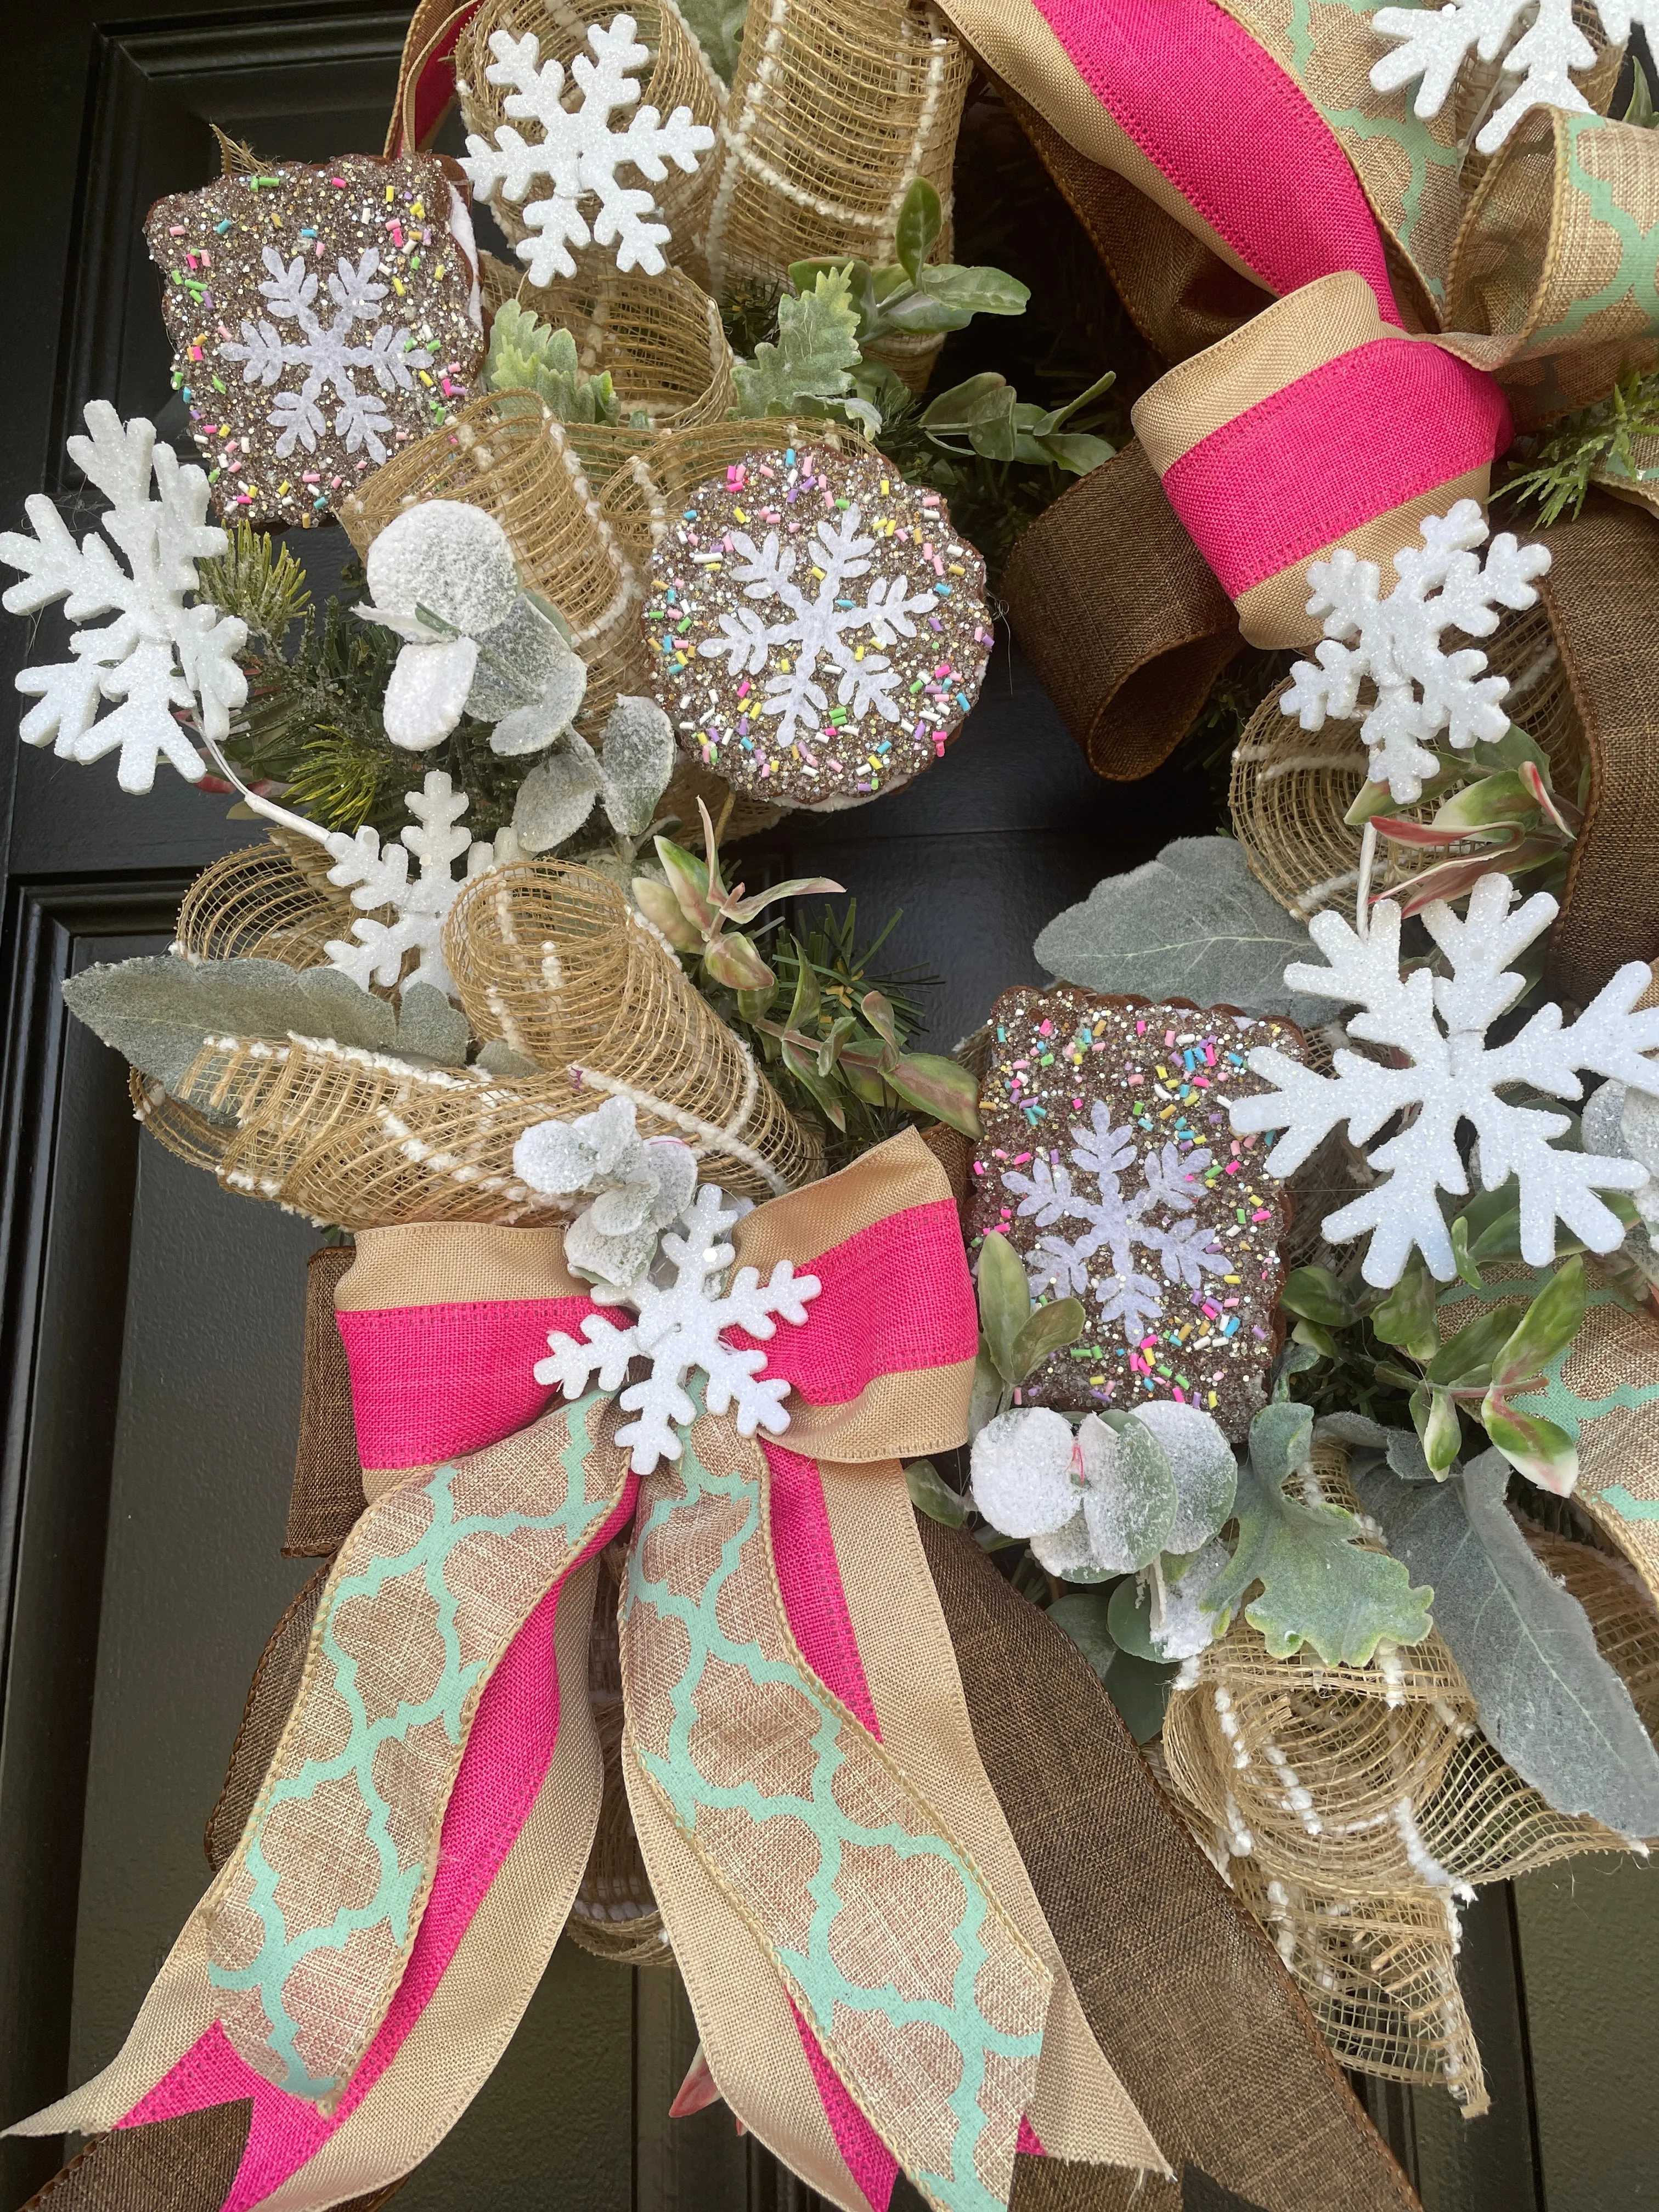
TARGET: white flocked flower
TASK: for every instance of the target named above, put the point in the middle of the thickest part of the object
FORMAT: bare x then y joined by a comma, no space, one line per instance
638,1186
442,576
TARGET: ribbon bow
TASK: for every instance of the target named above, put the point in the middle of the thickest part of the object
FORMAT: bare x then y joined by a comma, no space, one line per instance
874,1981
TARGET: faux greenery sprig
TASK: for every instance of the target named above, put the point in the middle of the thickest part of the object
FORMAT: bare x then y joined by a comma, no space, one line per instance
1593,439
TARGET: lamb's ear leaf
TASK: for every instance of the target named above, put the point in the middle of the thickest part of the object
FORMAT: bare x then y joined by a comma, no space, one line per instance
1192,923
1547,1698
1050,1327
1005,1301
431,1027
161,1010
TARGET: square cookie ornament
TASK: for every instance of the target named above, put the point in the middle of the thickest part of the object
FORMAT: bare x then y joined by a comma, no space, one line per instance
320,317
1109,1163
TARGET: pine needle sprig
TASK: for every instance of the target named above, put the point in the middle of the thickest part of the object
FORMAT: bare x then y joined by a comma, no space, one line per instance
1596,439
260,582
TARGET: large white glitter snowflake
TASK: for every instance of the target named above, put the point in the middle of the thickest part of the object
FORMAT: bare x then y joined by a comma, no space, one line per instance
1451,1075
678,1330
824,626
378,878
1114,1222
1395,645
328,354
158,654
1435,42
579,153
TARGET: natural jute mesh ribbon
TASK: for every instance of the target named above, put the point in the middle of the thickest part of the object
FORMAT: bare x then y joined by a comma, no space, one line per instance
1351,1804
551,959
679,76
1291,786
258,904
508,454
837,107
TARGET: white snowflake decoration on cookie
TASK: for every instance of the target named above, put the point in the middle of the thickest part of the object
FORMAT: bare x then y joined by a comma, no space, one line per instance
1452,1076
159,657
1116,1221
820,629
580,153
678,1330
329,355
1435,42
1394,644
378,878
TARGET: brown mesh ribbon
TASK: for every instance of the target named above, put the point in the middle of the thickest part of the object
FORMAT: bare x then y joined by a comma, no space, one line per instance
1602,594
1122,617
186,2165
1185,1994
327,1495
270,1700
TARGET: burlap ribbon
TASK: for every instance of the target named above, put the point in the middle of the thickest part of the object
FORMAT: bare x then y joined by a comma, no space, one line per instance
1413,315
876,1984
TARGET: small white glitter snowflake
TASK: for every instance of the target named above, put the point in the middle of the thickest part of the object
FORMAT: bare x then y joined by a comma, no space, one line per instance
678,1330
159,654
1115,1221
1451,1075
328,354
378,878
579,153
1395,644
1435,42
824,625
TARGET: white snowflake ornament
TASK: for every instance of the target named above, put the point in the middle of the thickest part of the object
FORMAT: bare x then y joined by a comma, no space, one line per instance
678,1330
1394,644
580,153
158,659
1435,43
378,879
1448,1075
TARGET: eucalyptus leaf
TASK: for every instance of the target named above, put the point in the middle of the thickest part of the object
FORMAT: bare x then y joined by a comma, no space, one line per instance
1141,1694
556,797
161,1010
931,1494
1082,1616
635,763
1546,1696
1130,1511
1318,1585
1129,1618
1192,923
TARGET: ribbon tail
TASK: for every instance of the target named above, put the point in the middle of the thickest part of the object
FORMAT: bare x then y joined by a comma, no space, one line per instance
752,1784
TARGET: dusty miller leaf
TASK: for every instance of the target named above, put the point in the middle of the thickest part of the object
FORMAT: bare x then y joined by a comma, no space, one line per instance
1192,923
1318,1586
817,350
161,1011
1546,1696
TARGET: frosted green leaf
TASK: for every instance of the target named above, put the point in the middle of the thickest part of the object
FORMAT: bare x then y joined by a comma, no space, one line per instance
1081,1616
931,1494
1546,1696
635,764
1140,1691
161,1011
1318,1586
1192,923
1201,1460
1132,1506
817,351
558,796
717,26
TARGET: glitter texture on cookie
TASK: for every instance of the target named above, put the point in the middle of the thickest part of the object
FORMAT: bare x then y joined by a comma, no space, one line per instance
820,629
321,319
1108,1161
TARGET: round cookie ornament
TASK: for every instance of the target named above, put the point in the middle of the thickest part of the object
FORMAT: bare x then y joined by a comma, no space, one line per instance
820,629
